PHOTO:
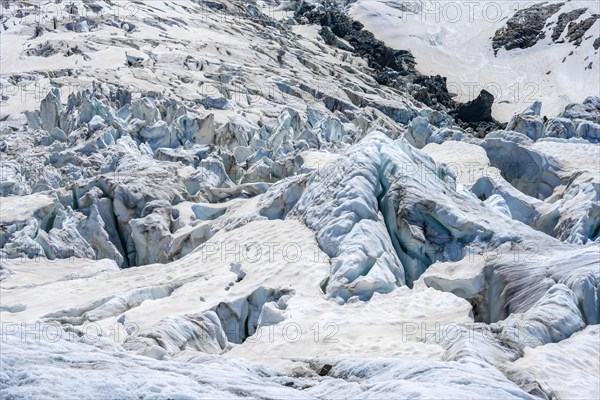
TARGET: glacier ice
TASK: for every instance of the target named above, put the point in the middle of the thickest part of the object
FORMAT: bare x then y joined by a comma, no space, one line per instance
286,210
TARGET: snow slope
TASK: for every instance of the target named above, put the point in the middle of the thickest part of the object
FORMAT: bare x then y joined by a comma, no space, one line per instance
454,39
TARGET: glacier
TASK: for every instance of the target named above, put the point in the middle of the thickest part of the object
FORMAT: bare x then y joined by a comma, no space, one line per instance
273,199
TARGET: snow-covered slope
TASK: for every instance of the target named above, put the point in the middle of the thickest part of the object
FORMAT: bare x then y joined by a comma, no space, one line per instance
220,199
455,39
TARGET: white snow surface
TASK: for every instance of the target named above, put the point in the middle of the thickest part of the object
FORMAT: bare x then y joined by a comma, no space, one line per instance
262,239
453,39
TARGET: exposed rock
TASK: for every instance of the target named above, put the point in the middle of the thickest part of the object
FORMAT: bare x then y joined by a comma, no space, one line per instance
476,110
392,67
577,30
563,20
525,28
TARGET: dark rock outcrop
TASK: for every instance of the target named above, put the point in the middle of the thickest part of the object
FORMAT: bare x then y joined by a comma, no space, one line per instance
479,109
525,28
563,20
365,44
395,68
577,30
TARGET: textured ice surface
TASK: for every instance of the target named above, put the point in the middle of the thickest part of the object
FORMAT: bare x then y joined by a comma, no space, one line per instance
258,216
